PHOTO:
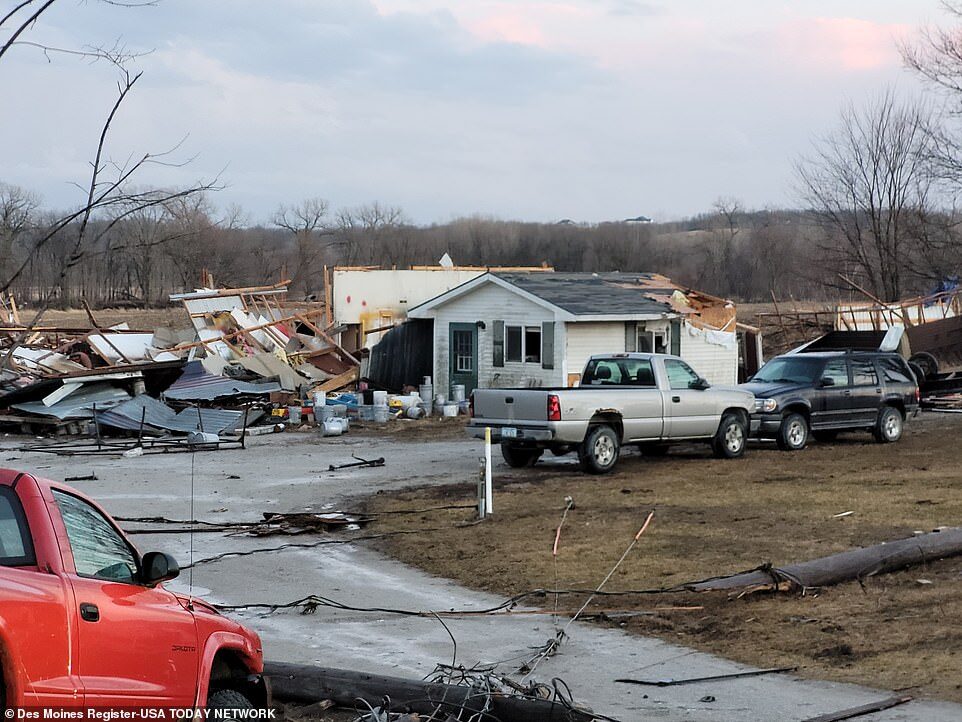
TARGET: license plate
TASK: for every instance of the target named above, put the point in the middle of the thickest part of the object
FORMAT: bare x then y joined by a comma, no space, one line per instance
509,432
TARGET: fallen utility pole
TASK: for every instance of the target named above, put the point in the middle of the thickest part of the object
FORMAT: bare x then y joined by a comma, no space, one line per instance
864,709
714,678
844,566
304,684
356,464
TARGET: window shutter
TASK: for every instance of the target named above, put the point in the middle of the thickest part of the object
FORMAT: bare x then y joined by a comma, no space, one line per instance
676,337
498,345
547,345
631,336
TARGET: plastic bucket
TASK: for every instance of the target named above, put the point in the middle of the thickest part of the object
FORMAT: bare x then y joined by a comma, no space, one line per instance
449,410
457,393
380,398
294,415
381,414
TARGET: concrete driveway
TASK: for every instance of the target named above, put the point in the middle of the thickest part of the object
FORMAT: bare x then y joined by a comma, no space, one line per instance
287,473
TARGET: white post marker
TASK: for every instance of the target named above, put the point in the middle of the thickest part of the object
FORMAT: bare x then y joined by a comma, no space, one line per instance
488,492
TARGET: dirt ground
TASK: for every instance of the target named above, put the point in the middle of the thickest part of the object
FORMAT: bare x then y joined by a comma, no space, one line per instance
898,631
139,319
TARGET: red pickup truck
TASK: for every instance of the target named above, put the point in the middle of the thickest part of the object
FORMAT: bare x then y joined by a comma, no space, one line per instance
85,622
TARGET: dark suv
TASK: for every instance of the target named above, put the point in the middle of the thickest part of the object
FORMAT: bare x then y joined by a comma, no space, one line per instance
823,393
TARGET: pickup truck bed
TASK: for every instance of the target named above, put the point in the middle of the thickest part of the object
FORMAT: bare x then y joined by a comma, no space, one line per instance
650,400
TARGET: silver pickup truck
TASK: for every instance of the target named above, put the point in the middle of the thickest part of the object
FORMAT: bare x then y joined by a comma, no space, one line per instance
650,400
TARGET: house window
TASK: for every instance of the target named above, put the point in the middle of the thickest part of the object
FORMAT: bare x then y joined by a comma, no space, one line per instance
652,341
532,344
513,342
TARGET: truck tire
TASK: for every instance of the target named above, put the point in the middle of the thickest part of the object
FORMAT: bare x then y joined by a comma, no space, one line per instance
228,699
730,439
599,452
793,433
888,427
518,457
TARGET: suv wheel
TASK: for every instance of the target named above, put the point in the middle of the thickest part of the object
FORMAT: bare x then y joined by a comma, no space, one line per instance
599,452
793,433
518,457
729,440
228,699
888,428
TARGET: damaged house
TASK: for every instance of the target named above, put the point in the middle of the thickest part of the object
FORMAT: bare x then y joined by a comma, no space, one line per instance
539,329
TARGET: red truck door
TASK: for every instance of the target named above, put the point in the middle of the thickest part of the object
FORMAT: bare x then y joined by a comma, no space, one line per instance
138,645
36,607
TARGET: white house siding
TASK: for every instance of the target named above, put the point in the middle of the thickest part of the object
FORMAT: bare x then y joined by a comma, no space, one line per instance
718,364
585,339
490,303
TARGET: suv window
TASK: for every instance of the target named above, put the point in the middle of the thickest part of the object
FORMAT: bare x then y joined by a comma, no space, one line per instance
619,372
98,549
16,545
837,370
863,373
680,374
895,371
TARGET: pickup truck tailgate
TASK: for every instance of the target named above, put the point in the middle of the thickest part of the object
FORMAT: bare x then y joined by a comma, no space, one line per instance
511,405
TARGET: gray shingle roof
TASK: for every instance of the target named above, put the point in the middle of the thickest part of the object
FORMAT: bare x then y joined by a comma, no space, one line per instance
595,294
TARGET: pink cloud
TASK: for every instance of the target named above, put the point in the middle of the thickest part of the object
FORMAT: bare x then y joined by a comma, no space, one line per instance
842,43
508,27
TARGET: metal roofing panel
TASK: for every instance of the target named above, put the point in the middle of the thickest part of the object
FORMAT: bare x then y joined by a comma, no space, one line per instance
197,385
157,415
78,405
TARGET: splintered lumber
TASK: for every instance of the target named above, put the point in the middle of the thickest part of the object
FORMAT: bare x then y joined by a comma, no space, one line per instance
845,566
864,709
338,382
305,684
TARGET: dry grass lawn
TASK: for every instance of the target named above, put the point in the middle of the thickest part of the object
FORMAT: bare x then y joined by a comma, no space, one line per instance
715,517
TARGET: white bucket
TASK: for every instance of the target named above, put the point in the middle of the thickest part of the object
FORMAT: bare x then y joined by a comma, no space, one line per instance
457,393
381,414
380,398
427,394
294,414
450,410
320,399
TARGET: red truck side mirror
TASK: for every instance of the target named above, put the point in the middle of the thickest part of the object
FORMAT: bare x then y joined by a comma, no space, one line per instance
157,567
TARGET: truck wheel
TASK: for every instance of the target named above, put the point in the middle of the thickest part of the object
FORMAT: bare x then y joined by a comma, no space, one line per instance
888,427
729,440
793,433
518,457
598,453
228,699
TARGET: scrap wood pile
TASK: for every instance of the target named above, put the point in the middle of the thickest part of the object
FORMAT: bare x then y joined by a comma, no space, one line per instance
248,356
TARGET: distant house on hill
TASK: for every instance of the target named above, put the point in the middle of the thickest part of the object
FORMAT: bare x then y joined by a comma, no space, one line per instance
637,219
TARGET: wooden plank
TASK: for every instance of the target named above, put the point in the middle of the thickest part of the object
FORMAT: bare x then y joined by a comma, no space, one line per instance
339,381
864,709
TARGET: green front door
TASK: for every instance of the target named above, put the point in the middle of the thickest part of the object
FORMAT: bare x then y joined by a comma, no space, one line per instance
463,354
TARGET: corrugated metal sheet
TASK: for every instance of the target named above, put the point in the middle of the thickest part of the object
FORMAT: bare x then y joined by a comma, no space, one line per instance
156,415
79,405
197,385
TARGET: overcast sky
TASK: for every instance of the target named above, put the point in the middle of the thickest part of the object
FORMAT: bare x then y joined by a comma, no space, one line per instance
530,109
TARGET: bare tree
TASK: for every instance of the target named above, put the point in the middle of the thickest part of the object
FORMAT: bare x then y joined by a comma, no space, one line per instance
305,221
18,213
870,185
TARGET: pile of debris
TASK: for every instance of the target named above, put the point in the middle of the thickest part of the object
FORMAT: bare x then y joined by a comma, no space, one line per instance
250,362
